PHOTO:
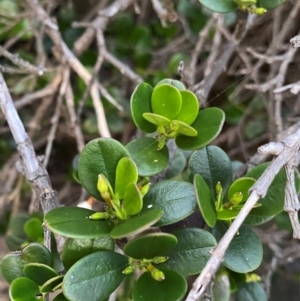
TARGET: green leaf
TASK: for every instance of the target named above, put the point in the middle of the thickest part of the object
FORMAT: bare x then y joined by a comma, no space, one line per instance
157,119
52,283
269,4
33,229
273,202
172,288
173,82
220,6
38,253
140,103
100,156
75,249
126,173
176,199
133,200
241,185
252,291
74,222
95,276
208,124
220,290
205,201
39,273
150,245
24,289
227,214
190,107
244,253
253,220
166,101
148,159
191,252
185,129
136,224
213,164
11,266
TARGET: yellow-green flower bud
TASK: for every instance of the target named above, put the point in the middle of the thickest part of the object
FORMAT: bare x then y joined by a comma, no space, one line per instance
236,198
100,215
145,189
157,275
160,259
128,270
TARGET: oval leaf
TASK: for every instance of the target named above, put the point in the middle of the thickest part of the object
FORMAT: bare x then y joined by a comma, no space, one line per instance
185,129
95,276
126,173
176,199
33,229
173,82
172,288
273,202
11,266
38,253
51,284
100,156
150,245
148,159
208,124
213,164
205,201
74,222
269,4
157,119
24,289
75,249
191,253
140,103
136,224
166,101
241,185
220,6
133,200
190,107
244,253
39,273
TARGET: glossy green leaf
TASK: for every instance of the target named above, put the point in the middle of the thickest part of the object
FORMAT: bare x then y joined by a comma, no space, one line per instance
190,107
244,253
177,164
75,249
148,159
95,276
192,251
74,222
39,273
140,103
241,185
150,245
33,229
269,4
166,101
176,199
100,156
252,291
157,119
208,124
227,214
172,288
11,266
24,289
173,82
126,173
60,297
52,283
185,129
273,202
213,164
38,253
253,220
220,6
205,201
136,224
133,200
220,290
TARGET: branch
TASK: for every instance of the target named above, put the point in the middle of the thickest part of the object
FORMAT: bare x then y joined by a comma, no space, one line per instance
286,150
29,165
